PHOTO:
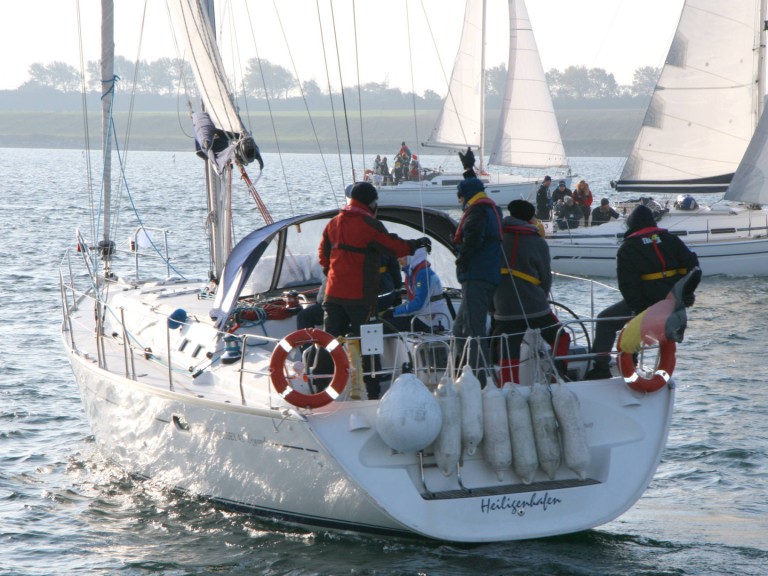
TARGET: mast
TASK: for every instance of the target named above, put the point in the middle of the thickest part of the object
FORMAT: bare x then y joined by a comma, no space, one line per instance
219,193
761,60
481,166
108,85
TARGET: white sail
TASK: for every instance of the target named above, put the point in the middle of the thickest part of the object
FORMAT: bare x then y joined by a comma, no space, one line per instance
750,183
528,134
705,106
460,121
201,52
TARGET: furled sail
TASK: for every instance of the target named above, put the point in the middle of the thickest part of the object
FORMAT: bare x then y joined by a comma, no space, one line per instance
460,121
528,135
706,103
193,26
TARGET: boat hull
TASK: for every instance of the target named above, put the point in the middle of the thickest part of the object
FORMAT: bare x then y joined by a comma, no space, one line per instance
441,192
330,468
731,242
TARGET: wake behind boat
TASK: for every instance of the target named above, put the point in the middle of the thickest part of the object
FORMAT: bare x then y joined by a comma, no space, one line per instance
205,385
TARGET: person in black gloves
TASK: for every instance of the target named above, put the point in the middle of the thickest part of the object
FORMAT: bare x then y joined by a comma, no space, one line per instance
478,264
649,262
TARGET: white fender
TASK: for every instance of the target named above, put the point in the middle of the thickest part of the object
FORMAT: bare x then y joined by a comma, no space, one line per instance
526,370
497,447
408,418
471,398
524,459
448,443
545,429
568,413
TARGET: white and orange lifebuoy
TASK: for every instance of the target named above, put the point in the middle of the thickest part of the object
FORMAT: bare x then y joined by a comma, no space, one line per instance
300,338
662,374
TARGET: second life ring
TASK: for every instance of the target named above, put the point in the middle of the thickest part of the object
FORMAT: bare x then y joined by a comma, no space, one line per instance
660,376
300,338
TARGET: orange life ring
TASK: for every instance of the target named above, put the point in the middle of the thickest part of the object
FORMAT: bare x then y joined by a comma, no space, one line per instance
660,377
340,368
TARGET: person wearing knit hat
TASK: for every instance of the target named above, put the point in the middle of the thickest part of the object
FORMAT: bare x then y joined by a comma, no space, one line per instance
478,265
603,213
649,262
350,254
521,300
544,200
364,192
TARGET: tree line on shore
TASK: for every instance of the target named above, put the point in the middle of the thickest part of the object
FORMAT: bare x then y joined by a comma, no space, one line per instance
264,80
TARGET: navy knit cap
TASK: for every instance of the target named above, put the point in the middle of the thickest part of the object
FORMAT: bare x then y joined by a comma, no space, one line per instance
641,217
364,192
469,187
521,209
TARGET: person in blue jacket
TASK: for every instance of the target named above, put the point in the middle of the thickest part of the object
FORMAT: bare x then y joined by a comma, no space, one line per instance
478,265
425,308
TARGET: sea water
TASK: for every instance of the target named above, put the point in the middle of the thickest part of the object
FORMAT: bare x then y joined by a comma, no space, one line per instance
64,510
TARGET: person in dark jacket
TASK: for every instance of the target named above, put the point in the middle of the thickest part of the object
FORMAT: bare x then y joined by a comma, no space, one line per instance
478,264
521,300
543,200
648,263
559,194
603,213
350,254
568,214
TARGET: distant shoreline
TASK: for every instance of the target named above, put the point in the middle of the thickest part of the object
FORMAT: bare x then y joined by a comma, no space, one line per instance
585,132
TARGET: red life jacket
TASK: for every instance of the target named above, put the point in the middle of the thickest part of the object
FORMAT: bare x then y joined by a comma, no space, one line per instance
479,198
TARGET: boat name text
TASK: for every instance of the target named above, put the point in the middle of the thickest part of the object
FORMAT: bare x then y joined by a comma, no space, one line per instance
518,506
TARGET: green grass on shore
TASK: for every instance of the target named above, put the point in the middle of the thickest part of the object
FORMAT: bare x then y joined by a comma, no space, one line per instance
585,132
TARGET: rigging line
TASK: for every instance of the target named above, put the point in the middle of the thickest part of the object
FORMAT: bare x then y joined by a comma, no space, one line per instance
413,103
86,131
124,181
182,71
269,108
333,108
443,70
343,95
305,102
359,88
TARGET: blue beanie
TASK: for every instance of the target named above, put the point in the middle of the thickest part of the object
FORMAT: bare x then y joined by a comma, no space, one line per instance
469,187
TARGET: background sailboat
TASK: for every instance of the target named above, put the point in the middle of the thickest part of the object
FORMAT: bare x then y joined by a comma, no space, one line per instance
706,103
528,136
700,126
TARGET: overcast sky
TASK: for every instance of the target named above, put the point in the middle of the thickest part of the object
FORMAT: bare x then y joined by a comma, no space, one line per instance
617,35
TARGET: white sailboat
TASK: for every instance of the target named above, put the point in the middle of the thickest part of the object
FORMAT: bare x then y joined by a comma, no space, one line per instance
528,134
700,121
201,385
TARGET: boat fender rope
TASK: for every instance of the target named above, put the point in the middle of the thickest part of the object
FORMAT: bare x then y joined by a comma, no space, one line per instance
301,338
660,377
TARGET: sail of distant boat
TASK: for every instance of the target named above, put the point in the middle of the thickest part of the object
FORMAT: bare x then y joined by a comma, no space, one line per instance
706,104
529,135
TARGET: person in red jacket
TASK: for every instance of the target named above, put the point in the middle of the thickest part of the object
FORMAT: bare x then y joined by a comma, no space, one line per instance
350,253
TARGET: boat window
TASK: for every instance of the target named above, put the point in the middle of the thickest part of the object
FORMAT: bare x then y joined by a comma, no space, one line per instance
300,266
260,279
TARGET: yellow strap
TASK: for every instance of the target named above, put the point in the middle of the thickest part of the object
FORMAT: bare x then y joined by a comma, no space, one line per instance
382,269
522,275
665,274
